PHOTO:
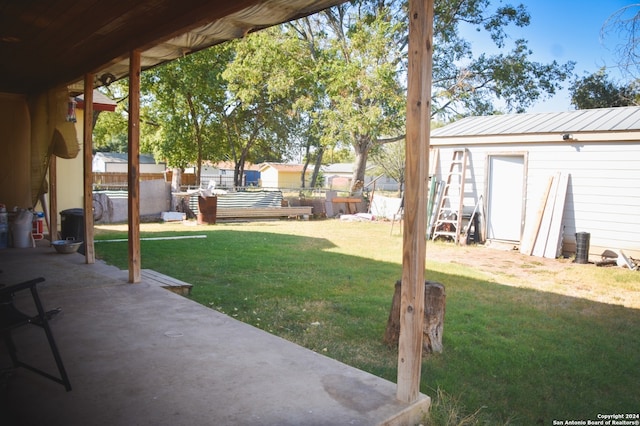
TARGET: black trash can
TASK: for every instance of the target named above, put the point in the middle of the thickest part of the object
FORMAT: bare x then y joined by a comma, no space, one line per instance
72,226
582,247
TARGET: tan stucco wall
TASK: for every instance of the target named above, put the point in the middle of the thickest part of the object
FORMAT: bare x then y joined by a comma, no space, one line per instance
15,151
70,173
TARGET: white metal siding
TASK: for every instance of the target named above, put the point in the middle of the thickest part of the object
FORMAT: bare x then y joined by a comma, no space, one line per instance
603,196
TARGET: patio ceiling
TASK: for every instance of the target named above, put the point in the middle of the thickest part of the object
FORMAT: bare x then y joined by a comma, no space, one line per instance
47,43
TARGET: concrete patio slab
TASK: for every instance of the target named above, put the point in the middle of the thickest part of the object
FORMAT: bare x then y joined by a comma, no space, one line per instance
138,354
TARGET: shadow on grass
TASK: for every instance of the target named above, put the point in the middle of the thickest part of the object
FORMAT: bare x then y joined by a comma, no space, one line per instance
521,356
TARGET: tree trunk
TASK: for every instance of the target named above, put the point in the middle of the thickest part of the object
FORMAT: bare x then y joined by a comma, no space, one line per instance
197,137
316,168
362,146
176,179
304,167
176,183
434,310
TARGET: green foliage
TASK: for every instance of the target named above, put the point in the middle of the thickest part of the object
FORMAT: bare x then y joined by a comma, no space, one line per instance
111,128
333,79
110,132
597,91
184,100
465,84
268,82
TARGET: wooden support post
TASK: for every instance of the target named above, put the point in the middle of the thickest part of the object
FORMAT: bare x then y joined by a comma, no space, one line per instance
135,274
53,198
415,207
87,137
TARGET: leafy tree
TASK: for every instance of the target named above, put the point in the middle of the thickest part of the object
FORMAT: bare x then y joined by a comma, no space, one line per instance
336,78
251,134
110,129
274,80
110,132
184,100
597,91
465,84
390,161
365,69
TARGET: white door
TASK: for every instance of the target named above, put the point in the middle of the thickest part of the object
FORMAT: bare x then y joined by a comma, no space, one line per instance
504,197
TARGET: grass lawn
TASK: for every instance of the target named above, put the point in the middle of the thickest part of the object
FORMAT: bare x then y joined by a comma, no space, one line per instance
512,354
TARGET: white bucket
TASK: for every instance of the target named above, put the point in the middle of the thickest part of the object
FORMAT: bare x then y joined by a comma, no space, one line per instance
21,230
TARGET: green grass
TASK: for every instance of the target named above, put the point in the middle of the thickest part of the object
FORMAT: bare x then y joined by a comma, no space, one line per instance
511,355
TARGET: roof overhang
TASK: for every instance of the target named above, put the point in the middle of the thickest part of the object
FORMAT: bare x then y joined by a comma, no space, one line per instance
549,138
49,43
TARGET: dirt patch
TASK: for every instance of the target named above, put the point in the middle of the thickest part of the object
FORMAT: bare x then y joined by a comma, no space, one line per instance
506,265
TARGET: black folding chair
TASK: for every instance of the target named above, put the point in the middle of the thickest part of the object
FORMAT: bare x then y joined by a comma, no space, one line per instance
11,318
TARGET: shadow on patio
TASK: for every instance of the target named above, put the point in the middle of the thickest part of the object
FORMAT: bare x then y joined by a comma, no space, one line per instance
140,354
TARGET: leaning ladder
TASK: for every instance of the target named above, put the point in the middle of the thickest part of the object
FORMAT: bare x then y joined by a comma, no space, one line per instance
449,216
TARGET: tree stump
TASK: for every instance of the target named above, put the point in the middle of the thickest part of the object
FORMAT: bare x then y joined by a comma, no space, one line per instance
434,310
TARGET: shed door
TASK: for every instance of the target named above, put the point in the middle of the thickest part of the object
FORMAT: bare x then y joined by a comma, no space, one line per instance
504,197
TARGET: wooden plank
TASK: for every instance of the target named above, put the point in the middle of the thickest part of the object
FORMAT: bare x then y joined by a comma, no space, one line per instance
172,284
244,212
133,202
433,160
87,165
554,239
533,227
346,200
419,73
540,243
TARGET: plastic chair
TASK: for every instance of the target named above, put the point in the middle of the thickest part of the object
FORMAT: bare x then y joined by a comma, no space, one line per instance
11,318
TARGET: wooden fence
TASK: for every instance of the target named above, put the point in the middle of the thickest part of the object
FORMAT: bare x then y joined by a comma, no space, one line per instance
119,180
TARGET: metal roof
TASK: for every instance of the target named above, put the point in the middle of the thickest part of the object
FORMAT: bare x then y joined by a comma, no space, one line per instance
589,120
117,157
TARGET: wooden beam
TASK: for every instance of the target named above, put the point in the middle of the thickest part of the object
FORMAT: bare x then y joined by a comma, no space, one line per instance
415,199
135,274
89,250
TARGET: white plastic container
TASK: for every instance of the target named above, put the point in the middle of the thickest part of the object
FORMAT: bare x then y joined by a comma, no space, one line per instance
21,230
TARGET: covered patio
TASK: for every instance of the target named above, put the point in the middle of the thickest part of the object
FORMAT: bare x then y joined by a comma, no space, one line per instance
138,353
141,354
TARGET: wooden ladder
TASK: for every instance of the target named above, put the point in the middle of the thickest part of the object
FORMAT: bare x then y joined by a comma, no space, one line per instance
449,216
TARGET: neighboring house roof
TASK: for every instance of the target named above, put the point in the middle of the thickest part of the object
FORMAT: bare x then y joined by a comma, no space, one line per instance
623,119
100,102
338,168
116,157
282,167
230,165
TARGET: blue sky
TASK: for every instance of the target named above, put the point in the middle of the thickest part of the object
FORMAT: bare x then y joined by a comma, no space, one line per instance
568,30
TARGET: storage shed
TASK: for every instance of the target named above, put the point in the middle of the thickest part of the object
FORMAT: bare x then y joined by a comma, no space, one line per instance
511,161
115,162
280,175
